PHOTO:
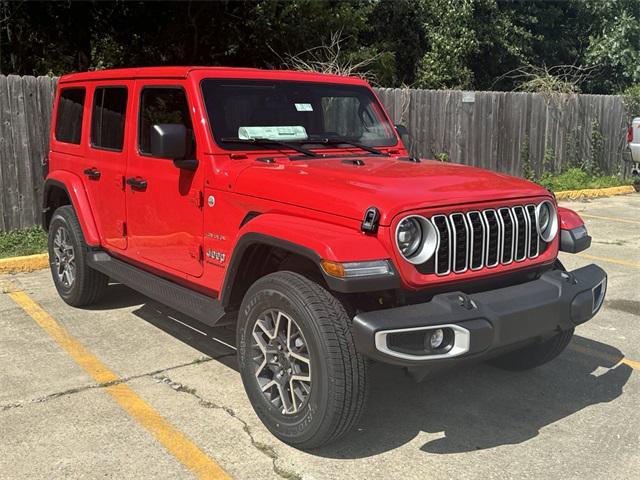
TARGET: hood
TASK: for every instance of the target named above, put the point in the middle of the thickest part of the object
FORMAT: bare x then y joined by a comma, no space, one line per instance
340,187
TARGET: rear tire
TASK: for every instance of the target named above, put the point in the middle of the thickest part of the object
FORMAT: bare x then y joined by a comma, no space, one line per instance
77,283
327,393
535,355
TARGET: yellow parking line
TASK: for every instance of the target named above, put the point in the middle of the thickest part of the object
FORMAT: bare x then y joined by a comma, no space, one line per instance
613,219
632,363
604,356
175,442
609,260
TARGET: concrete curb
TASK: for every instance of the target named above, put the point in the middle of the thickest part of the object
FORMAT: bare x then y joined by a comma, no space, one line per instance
595,192
28,263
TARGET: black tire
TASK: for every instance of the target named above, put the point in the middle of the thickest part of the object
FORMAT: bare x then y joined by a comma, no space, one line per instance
338,373
534,355
88,285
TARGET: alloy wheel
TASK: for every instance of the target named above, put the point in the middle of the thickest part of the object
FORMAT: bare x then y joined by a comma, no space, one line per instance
64,258
283,364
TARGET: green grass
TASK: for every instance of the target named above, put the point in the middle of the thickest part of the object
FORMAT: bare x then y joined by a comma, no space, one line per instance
578,179
16,243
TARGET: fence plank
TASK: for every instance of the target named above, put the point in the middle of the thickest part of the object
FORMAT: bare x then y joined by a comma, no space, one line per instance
36,139
11,210
24,160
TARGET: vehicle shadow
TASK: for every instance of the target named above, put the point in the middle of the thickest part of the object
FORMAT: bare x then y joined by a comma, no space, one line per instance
470,408
118,296
481,407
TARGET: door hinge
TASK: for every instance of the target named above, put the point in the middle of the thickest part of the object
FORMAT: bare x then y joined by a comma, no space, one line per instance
124,229
197,198
200,254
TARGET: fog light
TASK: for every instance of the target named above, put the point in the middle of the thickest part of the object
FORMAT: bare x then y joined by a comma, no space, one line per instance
436,338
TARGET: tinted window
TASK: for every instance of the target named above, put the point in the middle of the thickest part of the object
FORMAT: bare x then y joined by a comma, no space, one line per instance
161,105
294,111
69,117
107,118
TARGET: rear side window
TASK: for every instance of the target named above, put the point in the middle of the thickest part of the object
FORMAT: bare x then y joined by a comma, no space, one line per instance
161,105
107,118
69,117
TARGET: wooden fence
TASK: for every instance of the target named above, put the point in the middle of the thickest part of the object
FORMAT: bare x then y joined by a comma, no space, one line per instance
25,116
506,132
503,131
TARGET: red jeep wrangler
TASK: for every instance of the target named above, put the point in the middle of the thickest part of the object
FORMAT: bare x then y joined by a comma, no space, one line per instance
287,202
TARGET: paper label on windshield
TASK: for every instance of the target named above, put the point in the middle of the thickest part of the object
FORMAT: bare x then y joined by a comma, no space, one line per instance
284,133
304,107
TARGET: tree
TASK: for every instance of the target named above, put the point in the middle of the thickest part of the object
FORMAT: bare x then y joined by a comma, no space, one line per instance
614,45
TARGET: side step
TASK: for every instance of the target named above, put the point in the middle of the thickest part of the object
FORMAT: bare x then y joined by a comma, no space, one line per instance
201,307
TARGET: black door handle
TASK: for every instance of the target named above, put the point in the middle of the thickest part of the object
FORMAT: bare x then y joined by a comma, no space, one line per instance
92,173
137,183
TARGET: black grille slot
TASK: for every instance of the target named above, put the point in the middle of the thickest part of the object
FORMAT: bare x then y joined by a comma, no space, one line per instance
508,235
477,240
521,233
461,242
534,238
493,249
444,248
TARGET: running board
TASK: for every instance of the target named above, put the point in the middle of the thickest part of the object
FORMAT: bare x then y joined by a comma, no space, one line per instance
201,307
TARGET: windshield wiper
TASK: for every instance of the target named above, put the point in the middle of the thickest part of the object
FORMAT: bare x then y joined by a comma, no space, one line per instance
267,141
339,140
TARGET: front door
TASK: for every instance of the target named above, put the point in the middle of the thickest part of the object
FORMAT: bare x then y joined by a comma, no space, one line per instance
106,160
164,203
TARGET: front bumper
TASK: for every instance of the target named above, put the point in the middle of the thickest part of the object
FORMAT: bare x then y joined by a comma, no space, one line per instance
482,324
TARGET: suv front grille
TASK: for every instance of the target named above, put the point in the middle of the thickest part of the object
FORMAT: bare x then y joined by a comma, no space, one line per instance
485,238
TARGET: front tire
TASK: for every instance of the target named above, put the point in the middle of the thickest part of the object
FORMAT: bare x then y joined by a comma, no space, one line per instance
298,362
77,283
535,355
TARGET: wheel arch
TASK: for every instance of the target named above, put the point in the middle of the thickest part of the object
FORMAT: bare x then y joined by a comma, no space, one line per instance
266,254
65,188
299,244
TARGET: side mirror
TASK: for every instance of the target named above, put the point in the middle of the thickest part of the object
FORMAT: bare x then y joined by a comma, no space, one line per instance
404,135
170,140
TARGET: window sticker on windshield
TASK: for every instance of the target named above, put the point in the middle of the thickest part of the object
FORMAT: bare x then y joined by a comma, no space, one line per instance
294,132
304,107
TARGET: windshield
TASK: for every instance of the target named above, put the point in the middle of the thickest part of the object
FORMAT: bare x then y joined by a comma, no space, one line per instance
296,112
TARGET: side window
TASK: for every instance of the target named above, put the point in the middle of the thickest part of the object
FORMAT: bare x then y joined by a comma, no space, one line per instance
69,117
161,105
107,118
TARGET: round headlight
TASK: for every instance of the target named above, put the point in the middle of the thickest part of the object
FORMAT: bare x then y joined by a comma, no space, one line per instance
416,239
409,236
547,221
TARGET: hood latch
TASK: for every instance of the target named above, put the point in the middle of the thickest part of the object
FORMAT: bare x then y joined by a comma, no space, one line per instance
371,220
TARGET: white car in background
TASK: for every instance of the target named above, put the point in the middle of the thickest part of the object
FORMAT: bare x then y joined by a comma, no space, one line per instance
633,137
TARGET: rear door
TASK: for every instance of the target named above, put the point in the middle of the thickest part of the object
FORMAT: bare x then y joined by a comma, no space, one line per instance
106,160
164,203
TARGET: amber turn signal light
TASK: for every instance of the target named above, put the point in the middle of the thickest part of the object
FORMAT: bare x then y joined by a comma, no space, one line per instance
356,269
